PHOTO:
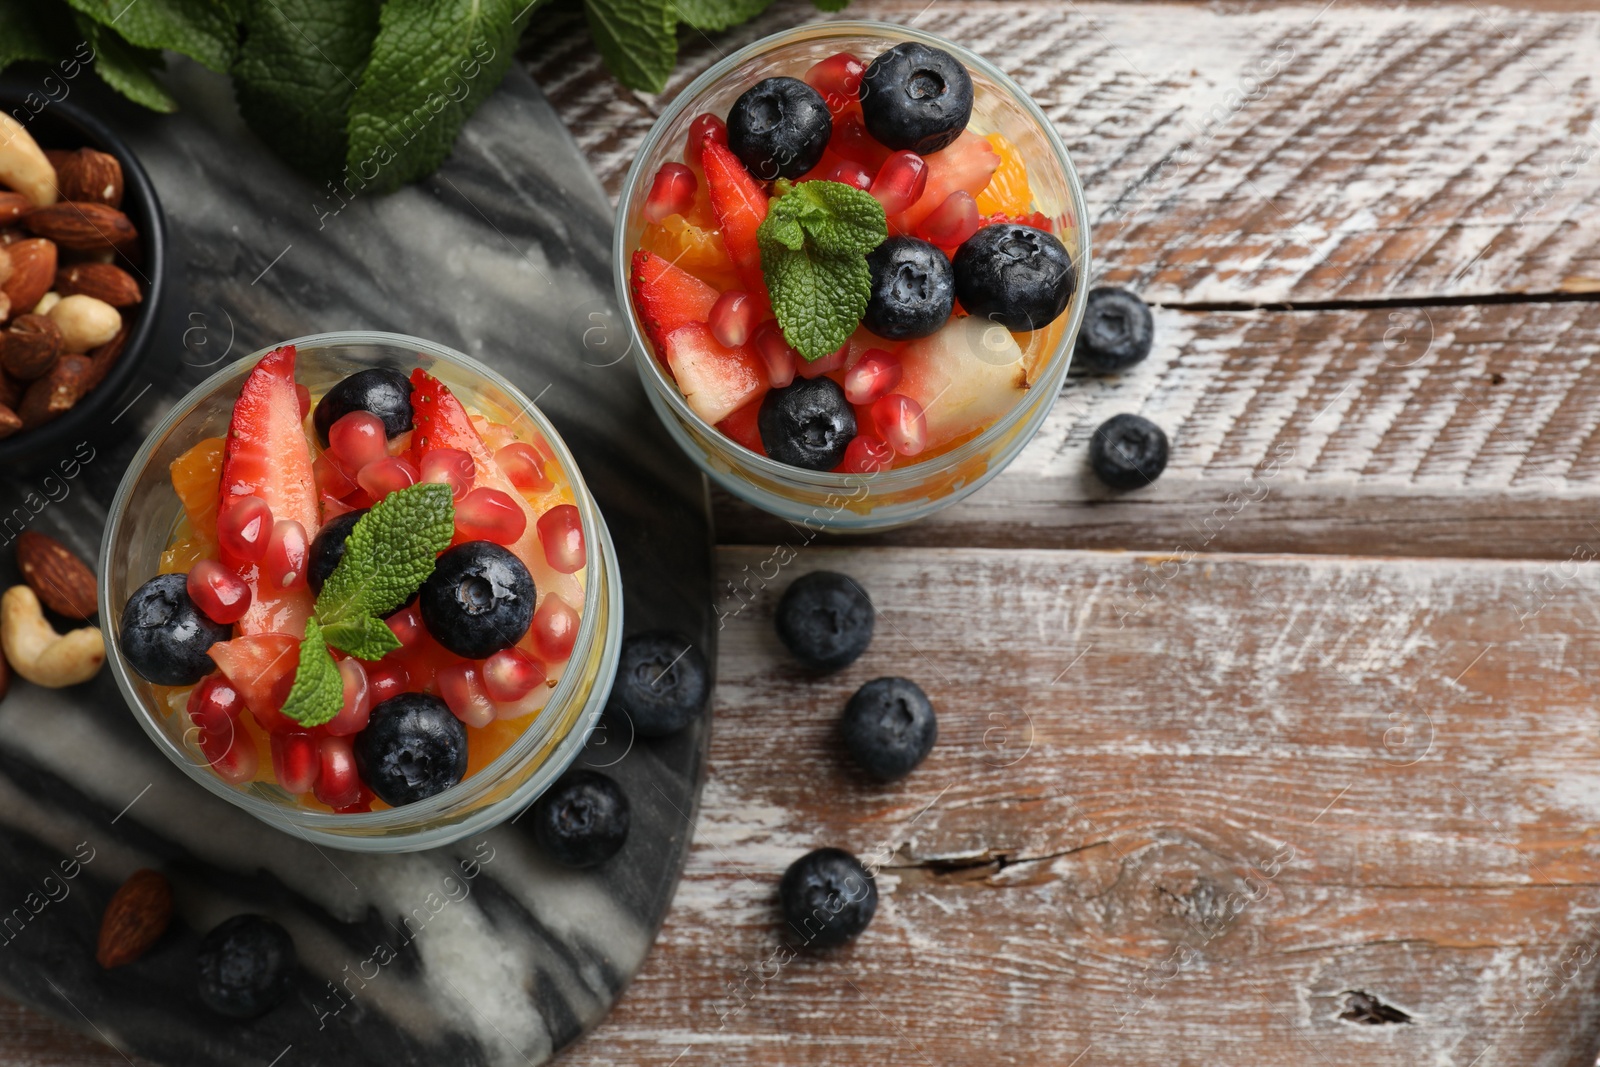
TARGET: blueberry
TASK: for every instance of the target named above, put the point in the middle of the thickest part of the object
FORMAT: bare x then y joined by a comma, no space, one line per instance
825,619
245,966
807,424
412,748
779,128
1128,452
1116,331
916,97
1016,275
582,820
383,391
478,600
662,683
889,727
164,635
827,897
913,289
327,548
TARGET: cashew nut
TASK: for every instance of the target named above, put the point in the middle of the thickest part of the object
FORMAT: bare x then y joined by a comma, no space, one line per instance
85,322
23,165
37,652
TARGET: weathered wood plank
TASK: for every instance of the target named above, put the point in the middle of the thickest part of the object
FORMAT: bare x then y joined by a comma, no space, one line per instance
1468,431
1174,816
1284,154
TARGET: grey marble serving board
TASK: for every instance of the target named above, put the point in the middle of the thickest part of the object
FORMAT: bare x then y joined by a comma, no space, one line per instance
504,254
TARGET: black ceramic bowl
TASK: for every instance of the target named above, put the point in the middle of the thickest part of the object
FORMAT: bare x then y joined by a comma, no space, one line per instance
66,126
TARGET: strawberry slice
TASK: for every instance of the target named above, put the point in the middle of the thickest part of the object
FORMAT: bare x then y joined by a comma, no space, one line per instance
740,204
261,667
441,422
267,454
716,381
967,164
667,297
743,427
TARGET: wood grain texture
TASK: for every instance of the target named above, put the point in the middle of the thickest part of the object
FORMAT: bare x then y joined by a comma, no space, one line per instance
1290,153
1467,431
1087,859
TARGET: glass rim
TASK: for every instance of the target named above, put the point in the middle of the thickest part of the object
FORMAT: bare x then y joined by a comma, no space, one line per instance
333,827
650,367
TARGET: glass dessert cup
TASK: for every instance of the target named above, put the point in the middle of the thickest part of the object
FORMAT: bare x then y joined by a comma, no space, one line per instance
147,513
915,486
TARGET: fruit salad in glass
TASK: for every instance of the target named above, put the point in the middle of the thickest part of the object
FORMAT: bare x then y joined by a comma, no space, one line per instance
384,602
853,254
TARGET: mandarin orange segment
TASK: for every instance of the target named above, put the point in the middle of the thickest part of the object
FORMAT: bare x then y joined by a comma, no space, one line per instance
195,477
181,556
1008,191
694,248
487,743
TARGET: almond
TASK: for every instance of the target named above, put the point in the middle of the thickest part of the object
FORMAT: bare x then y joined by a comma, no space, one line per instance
103,281
105,357
30,347
53,395
88,176
10,390
33,270
84,227
10,423
61,581
12,206
135,919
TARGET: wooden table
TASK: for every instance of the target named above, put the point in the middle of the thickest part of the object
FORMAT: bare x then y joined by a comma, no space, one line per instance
1293,757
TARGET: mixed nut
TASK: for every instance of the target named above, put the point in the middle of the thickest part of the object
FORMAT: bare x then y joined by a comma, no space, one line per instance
59,580
65,285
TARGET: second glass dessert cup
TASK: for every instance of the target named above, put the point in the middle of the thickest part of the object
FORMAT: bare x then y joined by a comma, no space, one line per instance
146,511
854,502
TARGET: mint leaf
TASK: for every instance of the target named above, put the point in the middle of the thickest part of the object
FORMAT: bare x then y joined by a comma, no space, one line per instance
317,694
718,14
389,554
831,5
128,69
296,73
204,30
433,63
363,636
637,38
814,244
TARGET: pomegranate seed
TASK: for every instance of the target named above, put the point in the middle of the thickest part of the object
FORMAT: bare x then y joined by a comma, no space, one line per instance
352,717
561,533
524,465
303,395
294,761
357,439
776,353
387,475
899,419
874,375
838,79
816,368
462,690
490,515
221,594
672,193
852,141
271,719
385,680
226,746
554,629
704,126
511,674
449,466
407,626
244,527
338,784
733,316
899,184
849,172
331,481
867,455
952,222
284,565
216,698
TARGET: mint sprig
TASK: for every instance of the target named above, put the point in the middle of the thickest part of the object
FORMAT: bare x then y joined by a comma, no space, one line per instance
814,246
389,554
